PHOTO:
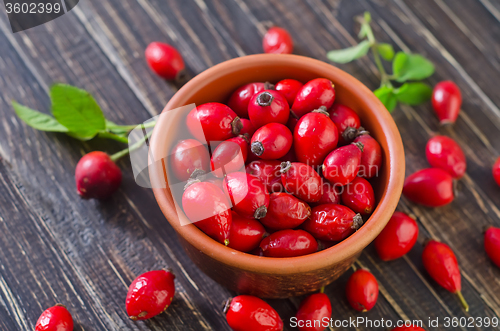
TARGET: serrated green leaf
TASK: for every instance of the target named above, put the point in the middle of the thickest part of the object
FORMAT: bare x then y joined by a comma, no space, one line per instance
77,110
348,54
413,93
38,120
387,96
386,51
411,67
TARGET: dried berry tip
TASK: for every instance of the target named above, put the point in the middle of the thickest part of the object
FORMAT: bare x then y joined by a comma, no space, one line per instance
226,304
226,242
198,174
260,212
350,133
357,222
285,166
257,148
321,110
190,182
236,126
360,146
268,86
265,99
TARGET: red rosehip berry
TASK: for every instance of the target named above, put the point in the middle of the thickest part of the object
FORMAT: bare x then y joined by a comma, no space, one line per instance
302,181
289,89
362,290
189,158
315,136
285,212
245,234
150,294
272,141
444,153
408,328
246,312
277,41
398,237
269,173
430,187
213,121
289,243
239,100
97,176
496,171
332,222
312,311
347,122
292,123
56,318
229,156
371,159
359,196
331,194
446,101
492,244
206,205
247,127
164,60
248,194
441,264
342,165
314,94
268,107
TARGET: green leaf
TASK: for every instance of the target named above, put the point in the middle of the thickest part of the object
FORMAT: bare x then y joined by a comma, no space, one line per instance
413,93
38,120
387,96
77,110
367,17
363,31
386,51
348,54
411,67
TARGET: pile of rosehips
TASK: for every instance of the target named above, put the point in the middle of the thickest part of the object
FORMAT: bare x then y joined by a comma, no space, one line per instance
285,167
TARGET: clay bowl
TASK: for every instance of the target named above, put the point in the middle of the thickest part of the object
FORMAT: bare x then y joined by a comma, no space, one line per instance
277,277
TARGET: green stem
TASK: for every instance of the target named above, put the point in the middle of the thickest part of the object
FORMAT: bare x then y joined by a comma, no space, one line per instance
462,301
373,45
132,148
109,135
131,127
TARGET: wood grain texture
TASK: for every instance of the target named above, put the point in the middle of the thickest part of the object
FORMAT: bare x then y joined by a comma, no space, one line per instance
58,248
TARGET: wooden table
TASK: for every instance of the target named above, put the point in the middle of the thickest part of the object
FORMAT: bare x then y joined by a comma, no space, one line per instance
55,247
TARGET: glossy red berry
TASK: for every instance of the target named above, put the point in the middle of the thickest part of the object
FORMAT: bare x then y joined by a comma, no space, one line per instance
430,187
397,238
492,244
289,243
289,89
229,156
371,160
245,234
238,101
342,165
359,196
164,60
441,264
408,328
150,294
292,123
247,127
444,153
285,212
313,311
56,318
206,205
446,101
189,158
331,194
277,41
266,107
347,122
272,141
247,193
302,181
362,290
269,173
332,222
314,137
213,121
246,312
97,176
496,171
314,94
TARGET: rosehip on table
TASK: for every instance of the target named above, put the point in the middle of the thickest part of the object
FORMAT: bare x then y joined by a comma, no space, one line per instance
446,101
269,173
397,238
312,311
247,127
213,121
285,212
189,158
97,176
444,153
496,171
430,187
245,234
239,99
277,41
362,290
56,318
331,194
441,264
359,196
164,60
314,94
492,244
229,156
150,294
302,181
315,136
206,205
342,165
332,222
289,243
249,313
289,89
266,107
347,122
371,159
247,193
272,141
